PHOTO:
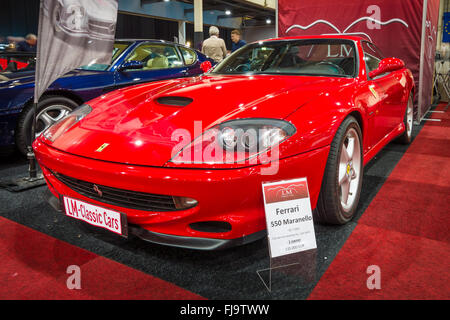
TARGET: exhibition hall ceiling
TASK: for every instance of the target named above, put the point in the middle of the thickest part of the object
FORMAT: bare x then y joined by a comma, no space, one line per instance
257,10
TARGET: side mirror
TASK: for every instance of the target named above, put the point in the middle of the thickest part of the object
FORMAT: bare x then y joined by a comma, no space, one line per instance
131,65
387,65
206,66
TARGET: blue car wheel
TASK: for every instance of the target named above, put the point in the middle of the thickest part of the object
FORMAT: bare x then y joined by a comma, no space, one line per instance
50,110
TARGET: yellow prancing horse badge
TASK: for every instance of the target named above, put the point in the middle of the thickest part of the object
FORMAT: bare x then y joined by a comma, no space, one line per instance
102,147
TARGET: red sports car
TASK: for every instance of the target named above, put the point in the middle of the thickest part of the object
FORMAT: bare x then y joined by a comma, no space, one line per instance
181,162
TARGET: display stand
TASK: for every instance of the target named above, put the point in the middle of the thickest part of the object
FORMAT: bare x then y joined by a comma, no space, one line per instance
299,269
33,180
290,234
442,78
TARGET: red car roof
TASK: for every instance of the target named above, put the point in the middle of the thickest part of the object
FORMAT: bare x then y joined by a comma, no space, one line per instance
331,36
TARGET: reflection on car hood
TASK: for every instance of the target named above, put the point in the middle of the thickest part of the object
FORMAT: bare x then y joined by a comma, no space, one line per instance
25,77
138,129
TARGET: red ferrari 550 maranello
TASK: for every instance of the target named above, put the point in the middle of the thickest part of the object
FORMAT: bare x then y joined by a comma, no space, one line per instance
181,162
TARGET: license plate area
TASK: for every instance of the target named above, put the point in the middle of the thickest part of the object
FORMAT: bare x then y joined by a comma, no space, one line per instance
95,215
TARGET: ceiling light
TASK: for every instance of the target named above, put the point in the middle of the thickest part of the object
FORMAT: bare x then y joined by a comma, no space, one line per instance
227,12
268,21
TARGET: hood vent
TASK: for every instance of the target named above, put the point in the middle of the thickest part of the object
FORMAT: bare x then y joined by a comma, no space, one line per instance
175,101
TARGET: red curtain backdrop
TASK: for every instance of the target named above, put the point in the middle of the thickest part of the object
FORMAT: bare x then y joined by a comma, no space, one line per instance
395,26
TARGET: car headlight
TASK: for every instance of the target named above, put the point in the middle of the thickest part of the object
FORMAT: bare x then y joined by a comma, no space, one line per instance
75,18
235,141
63,125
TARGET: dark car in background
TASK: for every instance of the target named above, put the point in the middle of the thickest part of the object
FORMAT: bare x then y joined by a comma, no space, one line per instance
133,62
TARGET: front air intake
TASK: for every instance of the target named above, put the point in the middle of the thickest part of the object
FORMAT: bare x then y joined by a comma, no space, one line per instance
211,226
175,101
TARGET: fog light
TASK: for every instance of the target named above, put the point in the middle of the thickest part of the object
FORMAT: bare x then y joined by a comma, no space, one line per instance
183,203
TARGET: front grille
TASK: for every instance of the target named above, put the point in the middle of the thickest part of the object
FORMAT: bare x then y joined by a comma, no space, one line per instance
119,197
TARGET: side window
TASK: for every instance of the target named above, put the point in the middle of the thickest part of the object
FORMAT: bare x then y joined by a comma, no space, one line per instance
189,55
156,56
372,55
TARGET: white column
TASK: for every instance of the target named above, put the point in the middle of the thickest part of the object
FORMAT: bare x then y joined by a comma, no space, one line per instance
182,32
198,22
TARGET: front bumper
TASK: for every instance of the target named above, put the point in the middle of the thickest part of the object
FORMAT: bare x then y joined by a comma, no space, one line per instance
230,196
171,240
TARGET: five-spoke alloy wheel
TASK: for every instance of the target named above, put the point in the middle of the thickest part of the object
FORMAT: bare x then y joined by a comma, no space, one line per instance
49,110
341,184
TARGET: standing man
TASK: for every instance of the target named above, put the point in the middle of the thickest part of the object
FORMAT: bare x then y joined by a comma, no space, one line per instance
214,47
236,39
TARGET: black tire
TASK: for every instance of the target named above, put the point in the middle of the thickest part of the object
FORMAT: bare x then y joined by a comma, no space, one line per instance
329,208
406,137
23,130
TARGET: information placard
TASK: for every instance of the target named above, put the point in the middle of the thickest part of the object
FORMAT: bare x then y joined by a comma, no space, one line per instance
289,218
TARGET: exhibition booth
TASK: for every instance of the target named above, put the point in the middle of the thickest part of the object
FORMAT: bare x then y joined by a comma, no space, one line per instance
308,163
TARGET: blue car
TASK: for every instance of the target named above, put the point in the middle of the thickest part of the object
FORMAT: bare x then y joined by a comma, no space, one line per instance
133,62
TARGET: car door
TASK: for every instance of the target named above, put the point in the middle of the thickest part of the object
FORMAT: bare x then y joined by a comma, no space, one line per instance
384,88
160,61
191,61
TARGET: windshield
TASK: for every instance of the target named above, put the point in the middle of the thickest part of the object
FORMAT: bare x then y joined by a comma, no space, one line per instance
316,57
119,48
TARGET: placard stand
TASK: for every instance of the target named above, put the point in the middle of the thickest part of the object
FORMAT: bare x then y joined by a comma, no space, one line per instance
298,268
290,234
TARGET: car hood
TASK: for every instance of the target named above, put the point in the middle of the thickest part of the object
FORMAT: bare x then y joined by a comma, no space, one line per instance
138,129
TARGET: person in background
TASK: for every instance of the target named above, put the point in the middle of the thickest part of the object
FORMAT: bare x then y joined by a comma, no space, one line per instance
237,41
214,47
29,45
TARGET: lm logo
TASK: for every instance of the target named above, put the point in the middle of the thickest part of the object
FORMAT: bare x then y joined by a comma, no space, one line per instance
373,22
287,192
